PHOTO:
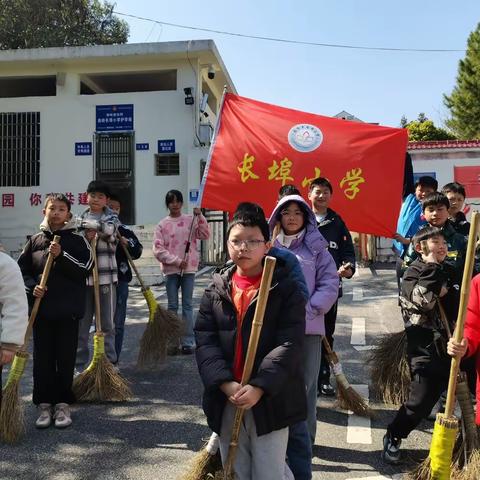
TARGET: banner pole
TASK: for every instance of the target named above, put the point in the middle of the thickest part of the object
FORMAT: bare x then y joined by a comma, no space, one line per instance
212,145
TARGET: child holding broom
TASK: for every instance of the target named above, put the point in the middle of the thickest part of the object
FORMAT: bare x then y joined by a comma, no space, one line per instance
130,241
106,221
175,247
55,331
13,311
299,234
424,284
274,398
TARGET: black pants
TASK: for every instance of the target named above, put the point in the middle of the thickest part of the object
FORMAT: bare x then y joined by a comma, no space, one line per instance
54,352
423,395
330,320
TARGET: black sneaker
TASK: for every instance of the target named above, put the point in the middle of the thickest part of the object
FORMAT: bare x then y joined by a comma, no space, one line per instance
391,449
326,389
187,350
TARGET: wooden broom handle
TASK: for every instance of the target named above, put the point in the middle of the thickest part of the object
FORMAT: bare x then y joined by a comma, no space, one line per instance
36,303
257,324
462,310
130,261
96,286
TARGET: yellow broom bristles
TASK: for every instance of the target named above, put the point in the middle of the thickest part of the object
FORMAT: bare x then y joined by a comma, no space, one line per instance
100,382
163,327
12,424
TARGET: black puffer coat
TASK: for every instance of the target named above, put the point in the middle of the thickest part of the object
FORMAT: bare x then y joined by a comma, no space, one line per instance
66,286
278,366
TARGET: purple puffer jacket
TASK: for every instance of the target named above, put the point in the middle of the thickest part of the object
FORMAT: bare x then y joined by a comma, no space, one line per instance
317,265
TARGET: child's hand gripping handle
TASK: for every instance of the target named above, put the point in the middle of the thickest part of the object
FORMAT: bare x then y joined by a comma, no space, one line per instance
257,324
462,310
130,261
36,303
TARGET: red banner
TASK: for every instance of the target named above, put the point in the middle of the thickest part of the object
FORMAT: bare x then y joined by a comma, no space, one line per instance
260,147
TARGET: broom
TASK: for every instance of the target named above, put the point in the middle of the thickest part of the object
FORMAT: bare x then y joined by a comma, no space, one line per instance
438,465
205,465
163,326
12,425
347,397
99,381
389,368
228,471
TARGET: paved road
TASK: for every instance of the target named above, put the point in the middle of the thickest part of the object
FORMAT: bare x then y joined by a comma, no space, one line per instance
154,435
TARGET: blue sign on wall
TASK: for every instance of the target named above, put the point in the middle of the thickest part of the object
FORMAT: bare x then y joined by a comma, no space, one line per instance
83,148
416,175
114,117
142,146
166,146
193,195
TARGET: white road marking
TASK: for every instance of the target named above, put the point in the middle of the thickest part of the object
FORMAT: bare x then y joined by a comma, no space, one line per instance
357,294
397,476
358,331
359,428
363,348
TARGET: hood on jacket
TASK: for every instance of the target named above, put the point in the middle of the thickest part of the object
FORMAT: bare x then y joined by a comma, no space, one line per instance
313,238
69,225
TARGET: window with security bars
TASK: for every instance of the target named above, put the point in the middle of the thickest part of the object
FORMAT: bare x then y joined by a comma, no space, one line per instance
167,164
20,149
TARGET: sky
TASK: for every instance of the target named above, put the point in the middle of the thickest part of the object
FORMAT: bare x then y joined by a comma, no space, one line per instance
375,86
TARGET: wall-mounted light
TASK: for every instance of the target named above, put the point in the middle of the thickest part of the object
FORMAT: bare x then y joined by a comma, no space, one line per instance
189,100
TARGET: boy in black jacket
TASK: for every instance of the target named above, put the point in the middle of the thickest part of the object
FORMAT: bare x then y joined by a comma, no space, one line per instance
425,282
124,273
340,246
455,192
275,395
55,331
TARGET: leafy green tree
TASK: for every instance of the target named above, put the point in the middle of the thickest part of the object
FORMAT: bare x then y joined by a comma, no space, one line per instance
403,122
464,101
423,129
58,23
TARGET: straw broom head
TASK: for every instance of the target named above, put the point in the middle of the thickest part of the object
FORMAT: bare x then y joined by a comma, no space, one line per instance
12,423
204,466
163,328
100,382
347,397
389,369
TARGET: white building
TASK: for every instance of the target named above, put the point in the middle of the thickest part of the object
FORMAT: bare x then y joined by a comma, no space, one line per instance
139,116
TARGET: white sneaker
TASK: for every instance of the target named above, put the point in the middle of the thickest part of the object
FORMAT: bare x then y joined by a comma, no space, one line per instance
62,415
44,419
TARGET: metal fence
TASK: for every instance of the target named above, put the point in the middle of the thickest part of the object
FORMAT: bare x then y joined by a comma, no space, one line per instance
214,250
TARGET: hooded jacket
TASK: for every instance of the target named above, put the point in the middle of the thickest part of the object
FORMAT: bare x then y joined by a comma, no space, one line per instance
278,365
66,285
13,304
135,249
317,264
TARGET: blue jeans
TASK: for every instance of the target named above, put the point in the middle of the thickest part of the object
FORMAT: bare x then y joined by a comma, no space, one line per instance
299,451
120,314
173,284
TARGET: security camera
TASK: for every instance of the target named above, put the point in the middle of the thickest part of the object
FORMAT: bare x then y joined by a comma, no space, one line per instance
211,72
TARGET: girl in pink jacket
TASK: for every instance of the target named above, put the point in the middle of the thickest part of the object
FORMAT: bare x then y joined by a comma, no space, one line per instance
170,242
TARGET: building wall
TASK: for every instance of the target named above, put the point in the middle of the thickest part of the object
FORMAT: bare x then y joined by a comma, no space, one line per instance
69,118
